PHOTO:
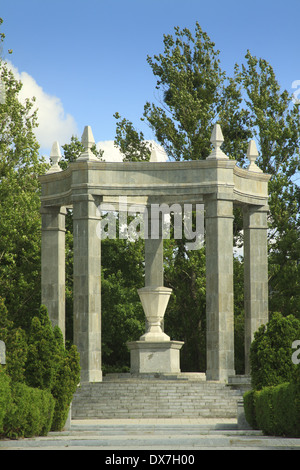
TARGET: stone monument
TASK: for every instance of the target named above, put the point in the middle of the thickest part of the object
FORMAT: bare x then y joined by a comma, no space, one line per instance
218,183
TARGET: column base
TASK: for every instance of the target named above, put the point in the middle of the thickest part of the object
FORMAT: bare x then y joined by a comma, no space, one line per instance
152,357
91,376
219,375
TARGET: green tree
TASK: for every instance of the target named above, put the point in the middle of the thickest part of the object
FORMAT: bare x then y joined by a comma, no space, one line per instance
275,122
5,397
185,317
50,366
191,81
43,352
194,94
16,346
131,142
271,352
65,381
20,228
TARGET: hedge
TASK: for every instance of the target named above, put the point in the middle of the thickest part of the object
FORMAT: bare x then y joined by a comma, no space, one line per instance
5,397
24,411
39,379
249,408
271,352
274,410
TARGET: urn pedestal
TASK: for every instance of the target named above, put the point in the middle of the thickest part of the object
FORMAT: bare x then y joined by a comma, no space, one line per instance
154,352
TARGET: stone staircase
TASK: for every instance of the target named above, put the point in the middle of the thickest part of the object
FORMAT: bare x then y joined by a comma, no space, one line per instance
182,396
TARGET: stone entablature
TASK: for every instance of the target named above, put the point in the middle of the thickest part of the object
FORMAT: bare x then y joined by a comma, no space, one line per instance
169,181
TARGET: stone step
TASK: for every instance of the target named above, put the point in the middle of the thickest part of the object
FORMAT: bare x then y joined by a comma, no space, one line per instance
130,377
154,398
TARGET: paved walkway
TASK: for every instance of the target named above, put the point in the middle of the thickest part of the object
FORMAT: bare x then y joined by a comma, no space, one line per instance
140,436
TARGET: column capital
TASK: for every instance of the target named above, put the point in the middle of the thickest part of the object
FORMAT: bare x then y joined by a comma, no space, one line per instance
224,195
79,197
53,218
218,208
85,206
254,208
255,217
53,209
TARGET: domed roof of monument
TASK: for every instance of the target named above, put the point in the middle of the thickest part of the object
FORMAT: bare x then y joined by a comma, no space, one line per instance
113,154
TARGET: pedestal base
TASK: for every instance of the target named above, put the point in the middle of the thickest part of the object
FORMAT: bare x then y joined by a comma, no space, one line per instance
148,356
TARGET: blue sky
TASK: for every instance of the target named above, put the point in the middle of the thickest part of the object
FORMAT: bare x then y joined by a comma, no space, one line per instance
87,59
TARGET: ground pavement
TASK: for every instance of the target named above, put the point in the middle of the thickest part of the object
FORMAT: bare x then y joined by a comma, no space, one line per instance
150,437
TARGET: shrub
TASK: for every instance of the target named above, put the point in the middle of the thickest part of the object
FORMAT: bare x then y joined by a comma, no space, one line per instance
40,377
249,407
16,345
286,411
30,413
16,354
41,361
51,367
276,409
5,396
274,403
271,352
264,410
65,385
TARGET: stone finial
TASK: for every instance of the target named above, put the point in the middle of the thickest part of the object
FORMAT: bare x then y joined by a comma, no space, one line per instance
55,157
252,154
217,140
87,141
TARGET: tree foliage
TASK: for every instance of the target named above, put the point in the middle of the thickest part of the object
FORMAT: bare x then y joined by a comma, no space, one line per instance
191,81
271,352
130,142
275,122
20,227
194,93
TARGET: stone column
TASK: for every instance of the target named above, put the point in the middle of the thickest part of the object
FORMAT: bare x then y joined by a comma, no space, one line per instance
53,264
154,272
154,251
219,289
154,256
255,274
87,287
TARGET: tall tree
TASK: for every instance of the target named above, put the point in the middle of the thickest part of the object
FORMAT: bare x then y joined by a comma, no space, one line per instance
191,82
20,227
275,122
194,94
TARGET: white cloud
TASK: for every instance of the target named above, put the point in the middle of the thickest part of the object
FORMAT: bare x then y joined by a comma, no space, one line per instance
54,122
